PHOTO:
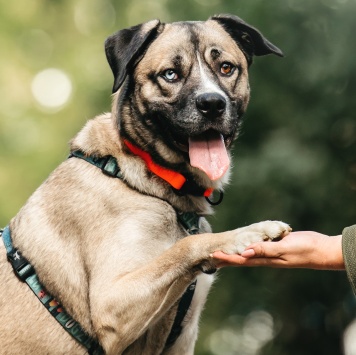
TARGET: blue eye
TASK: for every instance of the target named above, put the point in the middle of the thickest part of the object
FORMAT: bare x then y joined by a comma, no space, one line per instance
170,75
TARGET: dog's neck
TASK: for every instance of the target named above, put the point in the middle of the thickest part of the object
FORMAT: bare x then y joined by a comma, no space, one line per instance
100,137
177,181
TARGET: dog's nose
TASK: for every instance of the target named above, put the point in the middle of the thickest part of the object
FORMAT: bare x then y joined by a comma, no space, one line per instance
211,104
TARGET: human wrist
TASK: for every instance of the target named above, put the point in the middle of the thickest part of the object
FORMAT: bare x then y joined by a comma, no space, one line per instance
332,254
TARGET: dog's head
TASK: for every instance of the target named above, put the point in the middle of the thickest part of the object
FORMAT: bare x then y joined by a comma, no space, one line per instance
185,86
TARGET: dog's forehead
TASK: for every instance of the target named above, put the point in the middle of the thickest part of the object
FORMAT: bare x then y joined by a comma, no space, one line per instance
179,38
199,34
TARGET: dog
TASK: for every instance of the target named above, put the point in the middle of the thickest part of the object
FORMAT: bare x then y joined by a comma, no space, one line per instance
116,235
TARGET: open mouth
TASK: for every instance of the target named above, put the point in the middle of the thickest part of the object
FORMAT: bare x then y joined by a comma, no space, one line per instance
182,143
208,153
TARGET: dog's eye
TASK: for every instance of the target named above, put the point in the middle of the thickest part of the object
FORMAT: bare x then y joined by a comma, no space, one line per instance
170,75
227,68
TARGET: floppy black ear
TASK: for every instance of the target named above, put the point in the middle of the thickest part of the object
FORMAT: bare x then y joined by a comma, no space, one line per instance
124,48
250,40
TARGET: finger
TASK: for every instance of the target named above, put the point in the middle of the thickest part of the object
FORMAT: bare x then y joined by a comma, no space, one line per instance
218,255
263,250
237,260
248,253
224,259
270,262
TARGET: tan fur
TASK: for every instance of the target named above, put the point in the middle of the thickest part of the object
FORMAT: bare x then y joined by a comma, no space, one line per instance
112,251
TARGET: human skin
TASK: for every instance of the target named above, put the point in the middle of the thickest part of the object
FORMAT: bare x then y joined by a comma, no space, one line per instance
309,250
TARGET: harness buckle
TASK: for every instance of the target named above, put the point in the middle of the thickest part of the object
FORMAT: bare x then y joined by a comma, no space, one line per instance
110,167
23,269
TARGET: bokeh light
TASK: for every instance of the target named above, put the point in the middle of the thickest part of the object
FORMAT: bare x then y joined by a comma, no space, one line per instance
350,339
52,88
244,335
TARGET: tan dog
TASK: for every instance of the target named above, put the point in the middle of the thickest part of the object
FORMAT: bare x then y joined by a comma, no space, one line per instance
113,251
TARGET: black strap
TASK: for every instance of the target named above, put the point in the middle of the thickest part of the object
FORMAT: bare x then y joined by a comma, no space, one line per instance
190,187
182,310
22,268
189,221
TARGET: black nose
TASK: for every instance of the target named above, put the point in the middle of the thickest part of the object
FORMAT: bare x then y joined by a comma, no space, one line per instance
211,104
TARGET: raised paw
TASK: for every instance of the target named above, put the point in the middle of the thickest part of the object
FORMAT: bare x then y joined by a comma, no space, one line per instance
270,229
257,232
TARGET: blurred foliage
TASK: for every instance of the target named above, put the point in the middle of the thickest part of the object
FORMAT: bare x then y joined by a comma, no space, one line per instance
295,159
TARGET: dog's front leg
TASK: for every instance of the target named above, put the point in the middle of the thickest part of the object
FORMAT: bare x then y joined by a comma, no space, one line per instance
132,303
140,298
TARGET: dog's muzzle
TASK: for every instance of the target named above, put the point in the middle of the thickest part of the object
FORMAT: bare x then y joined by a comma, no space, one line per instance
211,105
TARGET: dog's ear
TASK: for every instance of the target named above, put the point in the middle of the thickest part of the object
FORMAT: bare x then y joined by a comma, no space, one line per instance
126,47
249,39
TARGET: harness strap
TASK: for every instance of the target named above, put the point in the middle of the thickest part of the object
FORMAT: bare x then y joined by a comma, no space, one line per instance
188,220
182,310
26,273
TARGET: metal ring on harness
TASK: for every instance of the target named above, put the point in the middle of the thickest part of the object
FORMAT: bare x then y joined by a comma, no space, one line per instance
215,203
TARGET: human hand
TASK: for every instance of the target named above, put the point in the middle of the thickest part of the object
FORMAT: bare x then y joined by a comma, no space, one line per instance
297,250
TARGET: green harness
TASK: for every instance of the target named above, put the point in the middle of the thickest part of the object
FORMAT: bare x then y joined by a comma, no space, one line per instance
26,273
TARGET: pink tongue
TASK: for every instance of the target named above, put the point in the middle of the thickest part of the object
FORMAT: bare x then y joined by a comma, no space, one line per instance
208,153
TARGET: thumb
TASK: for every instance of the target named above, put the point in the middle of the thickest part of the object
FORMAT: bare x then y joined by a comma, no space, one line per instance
260,250
248,253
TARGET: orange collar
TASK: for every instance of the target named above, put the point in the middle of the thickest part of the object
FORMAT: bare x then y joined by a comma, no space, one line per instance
176,180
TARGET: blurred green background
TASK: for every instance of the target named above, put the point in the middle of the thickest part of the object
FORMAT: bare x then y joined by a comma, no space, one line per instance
294,161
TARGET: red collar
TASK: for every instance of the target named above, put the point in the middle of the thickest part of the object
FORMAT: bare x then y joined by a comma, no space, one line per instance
176,180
